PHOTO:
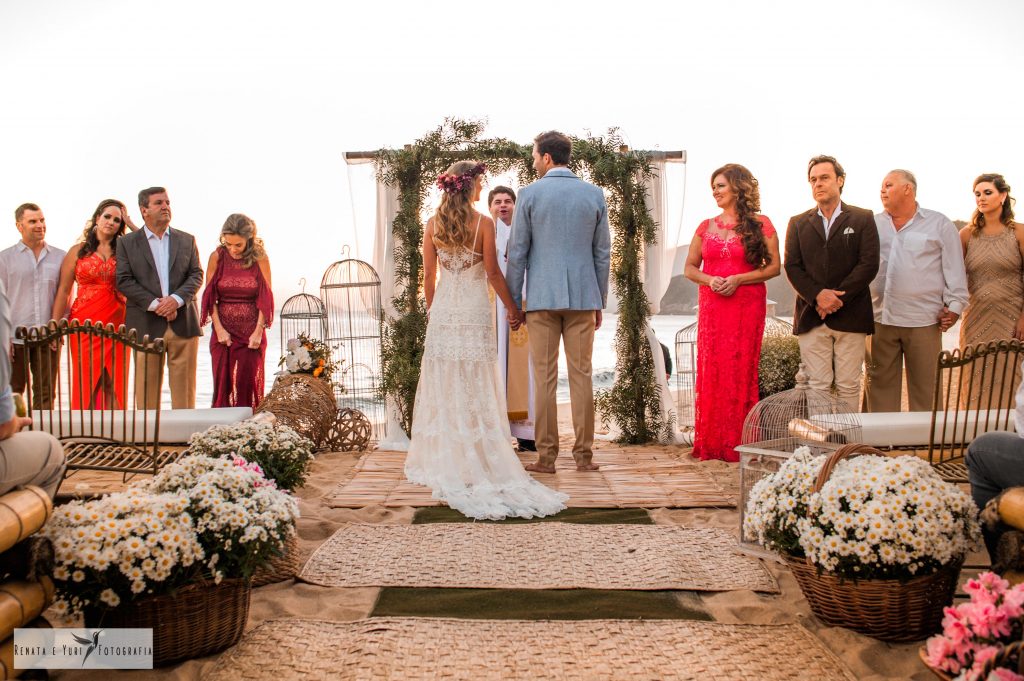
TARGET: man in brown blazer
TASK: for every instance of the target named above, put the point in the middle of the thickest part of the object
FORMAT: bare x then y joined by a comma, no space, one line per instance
831,259
158,271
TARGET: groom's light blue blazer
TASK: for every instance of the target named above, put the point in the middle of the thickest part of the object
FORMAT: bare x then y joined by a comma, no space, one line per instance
560,234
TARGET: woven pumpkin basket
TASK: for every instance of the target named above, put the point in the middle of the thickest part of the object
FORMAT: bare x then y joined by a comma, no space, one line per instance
886,609
195,621
282,567
303,403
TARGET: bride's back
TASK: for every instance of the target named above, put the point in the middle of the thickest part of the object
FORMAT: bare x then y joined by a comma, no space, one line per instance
461,255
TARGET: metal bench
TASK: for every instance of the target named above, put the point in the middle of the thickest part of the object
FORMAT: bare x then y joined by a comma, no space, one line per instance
104,432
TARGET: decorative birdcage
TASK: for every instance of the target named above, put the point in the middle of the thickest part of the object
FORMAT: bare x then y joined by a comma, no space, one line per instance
775,330
779,424
303,313
350,291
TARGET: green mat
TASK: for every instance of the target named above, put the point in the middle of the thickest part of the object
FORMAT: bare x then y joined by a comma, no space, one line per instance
582,516
554,604
536,604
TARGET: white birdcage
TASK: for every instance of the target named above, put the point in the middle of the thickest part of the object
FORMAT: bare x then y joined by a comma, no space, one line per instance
783,422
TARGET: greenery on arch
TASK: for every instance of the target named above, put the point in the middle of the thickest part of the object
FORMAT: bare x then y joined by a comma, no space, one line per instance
633,402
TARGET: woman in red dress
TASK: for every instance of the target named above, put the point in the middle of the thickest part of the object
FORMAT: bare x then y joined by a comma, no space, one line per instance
739,251
99,373
239,302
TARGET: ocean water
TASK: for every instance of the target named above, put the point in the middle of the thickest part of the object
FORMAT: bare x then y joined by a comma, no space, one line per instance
665,327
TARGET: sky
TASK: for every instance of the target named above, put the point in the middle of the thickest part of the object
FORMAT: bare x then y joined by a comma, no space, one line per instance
249,106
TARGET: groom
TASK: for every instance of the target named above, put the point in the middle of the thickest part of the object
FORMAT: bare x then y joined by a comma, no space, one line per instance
560,234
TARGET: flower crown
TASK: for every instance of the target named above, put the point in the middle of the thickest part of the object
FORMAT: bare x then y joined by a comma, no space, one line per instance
453,184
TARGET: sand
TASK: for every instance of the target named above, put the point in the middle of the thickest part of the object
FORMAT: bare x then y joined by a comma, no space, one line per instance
867,658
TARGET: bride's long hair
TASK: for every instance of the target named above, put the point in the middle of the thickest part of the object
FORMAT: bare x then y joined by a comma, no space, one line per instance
454,215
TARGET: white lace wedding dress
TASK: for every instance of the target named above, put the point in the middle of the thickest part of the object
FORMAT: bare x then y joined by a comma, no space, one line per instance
461,442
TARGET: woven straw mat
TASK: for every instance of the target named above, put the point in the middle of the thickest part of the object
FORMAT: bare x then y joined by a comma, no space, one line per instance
587,650
536,556
627,479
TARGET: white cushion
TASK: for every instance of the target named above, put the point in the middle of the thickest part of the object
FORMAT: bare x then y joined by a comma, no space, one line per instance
176,425
911,428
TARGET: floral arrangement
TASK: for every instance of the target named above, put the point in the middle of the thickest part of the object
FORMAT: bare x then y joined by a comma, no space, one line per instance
199,518
975,632
875,517
307,355
453,184
280,454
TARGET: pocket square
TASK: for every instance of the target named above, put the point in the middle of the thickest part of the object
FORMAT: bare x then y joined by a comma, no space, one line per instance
848,230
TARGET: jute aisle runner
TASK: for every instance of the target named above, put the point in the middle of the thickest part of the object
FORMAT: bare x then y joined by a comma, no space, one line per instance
627,479
536,556
590,650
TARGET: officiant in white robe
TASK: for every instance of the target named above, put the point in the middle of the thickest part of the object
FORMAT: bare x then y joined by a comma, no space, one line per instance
513,348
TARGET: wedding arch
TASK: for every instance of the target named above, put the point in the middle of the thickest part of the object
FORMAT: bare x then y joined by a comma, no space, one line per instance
633,186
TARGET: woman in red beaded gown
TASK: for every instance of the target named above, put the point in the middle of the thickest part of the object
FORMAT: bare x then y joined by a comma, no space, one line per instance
730,258
239,302
99,372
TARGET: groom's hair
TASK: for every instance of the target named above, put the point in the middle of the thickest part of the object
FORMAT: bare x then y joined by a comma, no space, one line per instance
500,189
556,144
146,193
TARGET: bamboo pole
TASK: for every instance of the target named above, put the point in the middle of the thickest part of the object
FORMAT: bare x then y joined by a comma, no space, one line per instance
669,156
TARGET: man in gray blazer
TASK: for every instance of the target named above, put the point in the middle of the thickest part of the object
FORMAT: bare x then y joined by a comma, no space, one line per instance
158,271
560,234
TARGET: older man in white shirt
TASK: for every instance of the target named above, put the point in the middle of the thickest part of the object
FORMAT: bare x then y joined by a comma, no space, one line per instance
30,271
919,292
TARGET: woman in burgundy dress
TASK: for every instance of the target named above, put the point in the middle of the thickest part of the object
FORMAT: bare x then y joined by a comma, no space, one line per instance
98,370
739,251
239,302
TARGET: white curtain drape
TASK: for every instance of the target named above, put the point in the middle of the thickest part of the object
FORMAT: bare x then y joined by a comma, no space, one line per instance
395,438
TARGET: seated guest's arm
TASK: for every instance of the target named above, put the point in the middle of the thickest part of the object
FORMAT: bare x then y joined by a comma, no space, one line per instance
128,285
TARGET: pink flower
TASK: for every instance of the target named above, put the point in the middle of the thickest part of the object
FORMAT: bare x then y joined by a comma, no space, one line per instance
940,654
1013,602
954,627
1002,674
986,620
987,588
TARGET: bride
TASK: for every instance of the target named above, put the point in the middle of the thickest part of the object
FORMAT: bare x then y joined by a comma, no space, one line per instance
461,442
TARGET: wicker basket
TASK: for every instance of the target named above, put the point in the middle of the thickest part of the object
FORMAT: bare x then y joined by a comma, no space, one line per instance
886,609
281,567
303,403
195,621
1013,649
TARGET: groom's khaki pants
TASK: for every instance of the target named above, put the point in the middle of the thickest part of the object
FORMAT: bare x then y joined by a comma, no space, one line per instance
575,328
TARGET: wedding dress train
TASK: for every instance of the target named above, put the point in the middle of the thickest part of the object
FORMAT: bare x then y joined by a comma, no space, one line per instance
461,442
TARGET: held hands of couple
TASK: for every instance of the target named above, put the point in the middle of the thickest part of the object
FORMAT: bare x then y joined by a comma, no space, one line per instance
516,318
947,319
828,301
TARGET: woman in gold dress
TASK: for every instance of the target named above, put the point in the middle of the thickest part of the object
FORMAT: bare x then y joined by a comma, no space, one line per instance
994,257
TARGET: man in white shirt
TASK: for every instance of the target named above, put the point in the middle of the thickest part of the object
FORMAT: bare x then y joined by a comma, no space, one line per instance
919,293
159,274
513,346
30,272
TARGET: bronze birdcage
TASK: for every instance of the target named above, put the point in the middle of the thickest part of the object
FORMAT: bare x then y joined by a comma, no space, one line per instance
303,313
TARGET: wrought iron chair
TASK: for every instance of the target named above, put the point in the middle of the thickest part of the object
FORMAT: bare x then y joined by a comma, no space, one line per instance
111,428
974,390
